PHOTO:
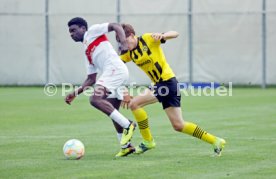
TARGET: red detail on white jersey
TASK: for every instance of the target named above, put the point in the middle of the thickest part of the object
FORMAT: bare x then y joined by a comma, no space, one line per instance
92,46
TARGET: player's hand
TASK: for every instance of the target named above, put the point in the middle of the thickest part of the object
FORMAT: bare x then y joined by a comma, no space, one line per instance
69,98
157,36
125,102
123,49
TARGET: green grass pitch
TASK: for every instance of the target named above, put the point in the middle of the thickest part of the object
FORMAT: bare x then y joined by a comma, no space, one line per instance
34,127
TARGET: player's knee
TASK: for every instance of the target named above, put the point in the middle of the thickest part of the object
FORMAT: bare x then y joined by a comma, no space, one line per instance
178,127
95,103
133,105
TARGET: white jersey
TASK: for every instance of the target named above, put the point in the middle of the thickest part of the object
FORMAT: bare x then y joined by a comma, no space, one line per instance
102,58
100,55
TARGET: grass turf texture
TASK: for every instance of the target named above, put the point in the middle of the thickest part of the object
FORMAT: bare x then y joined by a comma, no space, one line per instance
34,127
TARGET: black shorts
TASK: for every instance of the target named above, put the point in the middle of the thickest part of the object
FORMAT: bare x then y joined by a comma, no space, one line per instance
167,93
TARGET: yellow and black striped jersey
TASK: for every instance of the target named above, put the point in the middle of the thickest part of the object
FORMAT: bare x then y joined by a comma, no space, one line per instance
149,56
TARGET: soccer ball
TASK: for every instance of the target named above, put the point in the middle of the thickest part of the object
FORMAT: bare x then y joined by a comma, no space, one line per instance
73,149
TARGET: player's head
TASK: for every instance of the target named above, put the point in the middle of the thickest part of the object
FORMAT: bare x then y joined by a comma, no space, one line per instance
130,36
77,28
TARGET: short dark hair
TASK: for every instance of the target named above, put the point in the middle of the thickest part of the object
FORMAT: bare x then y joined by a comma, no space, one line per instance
78,21
128,29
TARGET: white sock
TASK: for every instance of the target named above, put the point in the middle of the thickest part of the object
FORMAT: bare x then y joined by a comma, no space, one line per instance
119,118
119,135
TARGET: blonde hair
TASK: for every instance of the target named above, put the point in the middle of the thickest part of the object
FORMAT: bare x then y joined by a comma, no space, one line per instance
128,29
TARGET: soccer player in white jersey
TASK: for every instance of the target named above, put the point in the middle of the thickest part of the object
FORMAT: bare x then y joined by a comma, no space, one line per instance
101,57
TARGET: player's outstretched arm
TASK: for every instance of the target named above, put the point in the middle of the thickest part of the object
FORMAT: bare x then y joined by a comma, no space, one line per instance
165,36
170,35
90,80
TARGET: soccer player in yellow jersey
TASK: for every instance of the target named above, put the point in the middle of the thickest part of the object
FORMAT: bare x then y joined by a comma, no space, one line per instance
146,53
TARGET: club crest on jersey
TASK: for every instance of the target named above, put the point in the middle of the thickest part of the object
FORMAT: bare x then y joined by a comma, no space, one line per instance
145,48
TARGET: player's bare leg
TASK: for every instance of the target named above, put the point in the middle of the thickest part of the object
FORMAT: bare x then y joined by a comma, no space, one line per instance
116,104
146,98
99,101
175,116
128,148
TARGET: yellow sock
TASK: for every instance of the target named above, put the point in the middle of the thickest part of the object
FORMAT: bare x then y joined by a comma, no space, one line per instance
193,130
143,123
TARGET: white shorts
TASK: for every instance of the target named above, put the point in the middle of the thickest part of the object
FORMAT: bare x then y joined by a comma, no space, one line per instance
114,80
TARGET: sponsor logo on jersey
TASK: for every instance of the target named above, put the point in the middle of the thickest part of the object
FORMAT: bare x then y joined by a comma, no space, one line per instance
144,63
